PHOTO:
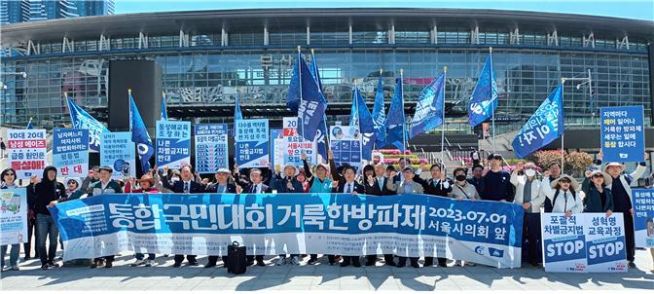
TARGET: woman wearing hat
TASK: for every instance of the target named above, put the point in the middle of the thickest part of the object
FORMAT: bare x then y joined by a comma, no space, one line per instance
565,196
599,198
528,195
145,185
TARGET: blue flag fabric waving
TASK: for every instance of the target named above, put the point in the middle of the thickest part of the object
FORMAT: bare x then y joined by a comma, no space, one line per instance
395,133
83,120
366,127
238,115
321,136
164,109
354,112
543,127
483,101
29,125
294,95
312,106
379,115
430,108
140,135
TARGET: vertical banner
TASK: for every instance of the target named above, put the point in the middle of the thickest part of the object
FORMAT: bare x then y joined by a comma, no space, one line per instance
13,216
173,143
118,151
622,133
276,148
585,242
211,150
642,201
346,145
252,143
292,145
26,150
70,152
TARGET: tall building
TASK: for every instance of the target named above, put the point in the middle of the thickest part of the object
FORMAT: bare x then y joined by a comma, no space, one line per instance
14,11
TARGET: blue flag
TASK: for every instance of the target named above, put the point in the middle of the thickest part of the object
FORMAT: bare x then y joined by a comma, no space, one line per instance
379,115
543,127
238,115
483,101
29,124
321,136
354,112
294,94
430,107
83,120
395,133
366,127
140,135
311,110
164,109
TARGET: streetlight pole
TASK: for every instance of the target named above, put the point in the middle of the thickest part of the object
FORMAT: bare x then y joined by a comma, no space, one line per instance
590,91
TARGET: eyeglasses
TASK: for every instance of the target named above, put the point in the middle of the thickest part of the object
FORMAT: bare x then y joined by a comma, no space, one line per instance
564,182
598,176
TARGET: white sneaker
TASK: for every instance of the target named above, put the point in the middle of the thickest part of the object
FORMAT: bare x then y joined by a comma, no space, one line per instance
281,261
138,263
148,263
295,260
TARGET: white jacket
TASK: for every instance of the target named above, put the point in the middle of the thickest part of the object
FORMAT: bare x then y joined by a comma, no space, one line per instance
565,201
537,195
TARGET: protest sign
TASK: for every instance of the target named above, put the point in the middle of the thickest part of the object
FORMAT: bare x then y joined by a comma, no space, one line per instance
13,216
252,143
173,143
26,150
622,133
70,152
118,152
211,148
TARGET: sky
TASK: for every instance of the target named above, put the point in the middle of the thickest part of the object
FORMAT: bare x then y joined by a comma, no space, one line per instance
634,9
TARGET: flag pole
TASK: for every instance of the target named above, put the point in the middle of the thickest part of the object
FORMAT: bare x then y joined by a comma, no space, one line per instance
563,134
324,115
443,129
490,52
299,75
404,142
356,89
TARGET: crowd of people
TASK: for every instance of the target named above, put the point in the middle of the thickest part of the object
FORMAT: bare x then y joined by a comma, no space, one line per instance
536,189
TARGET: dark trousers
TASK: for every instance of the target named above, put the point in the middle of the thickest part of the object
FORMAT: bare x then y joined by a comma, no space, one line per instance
531,240
140,256
108,258
372,258
252,258
629,235
402,260
46,230
313,256
179,258
429,261
213,259
27,247
351,260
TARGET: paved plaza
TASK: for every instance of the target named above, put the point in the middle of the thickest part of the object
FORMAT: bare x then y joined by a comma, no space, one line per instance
319,277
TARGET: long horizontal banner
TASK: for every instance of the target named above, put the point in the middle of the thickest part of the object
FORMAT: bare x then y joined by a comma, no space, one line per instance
204,224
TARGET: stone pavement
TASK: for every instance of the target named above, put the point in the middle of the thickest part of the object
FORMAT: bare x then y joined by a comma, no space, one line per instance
318,277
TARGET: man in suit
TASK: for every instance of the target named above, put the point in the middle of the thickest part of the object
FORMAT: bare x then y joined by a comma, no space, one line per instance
378,186
256,186
347,184
287,183
438,185
221,186
186,185
408,186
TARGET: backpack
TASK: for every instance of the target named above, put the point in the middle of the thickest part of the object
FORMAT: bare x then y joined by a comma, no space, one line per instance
549,204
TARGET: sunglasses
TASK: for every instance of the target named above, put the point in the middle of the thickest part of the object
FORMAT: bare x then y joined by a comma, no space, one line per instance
564,182
598,176
9,174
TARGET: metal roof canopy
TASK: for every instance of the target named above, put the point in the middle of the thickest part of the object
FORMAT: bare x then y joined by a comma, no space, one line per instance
324,20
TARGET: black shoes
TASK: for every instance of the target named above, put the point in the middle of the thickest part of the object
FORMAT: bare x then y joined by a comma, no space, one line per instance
260,263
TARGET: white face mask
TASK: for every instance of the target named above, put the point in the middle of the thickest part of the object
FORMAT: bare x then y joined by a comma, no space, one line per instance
174,179
530,172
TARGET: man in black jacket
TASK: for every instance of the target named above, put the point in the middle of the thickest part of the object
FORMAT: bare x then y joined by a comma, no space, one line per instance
438,185
186,185
45,192
377,186
256,186
222,185
347,184
287,183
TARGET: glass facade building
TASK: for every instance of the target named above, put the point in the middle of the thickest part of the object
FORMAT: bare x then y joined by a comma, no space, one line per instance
206,64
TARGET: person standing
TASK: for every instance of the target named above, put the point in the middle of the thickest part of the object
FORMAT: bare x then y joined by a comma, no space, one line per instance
497,182
255,185
347,184
3,148
8,181
45,192
318,183
565,195
185,185
221,186
146,184
287,184
378,185
621,189
477,179
106,185
408,186
598,195
438,185
528,195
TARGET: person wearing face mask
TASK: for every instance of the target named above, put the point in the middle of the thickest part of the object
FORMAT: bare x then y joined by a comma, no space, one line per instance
7,181
528,195
565,196
462,190
46,191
